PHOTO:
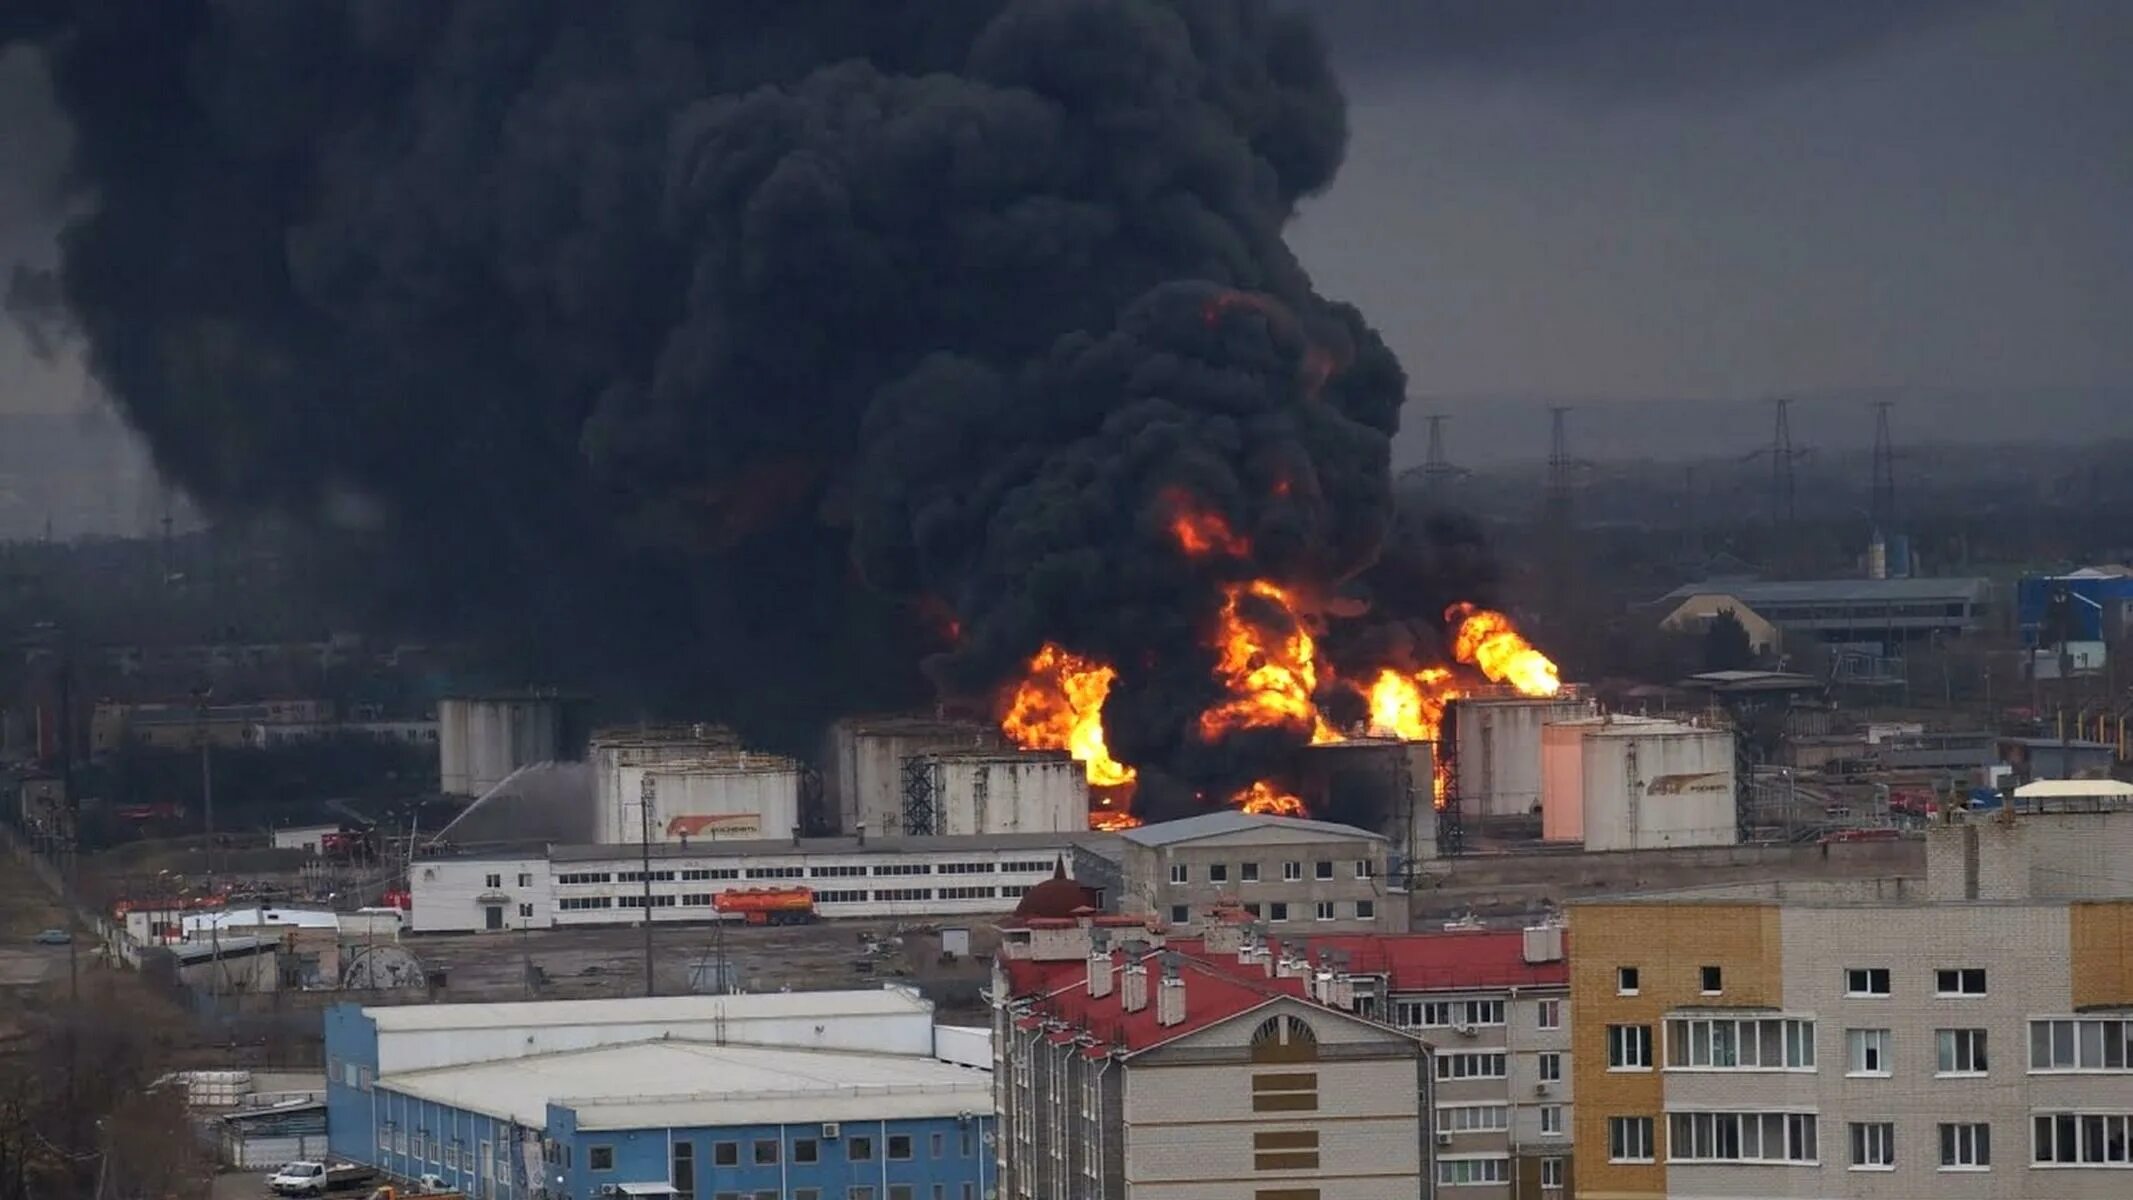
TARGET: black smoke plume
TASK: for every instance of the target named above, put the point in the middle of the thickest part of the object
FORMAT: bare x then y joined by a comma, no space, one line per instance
716,347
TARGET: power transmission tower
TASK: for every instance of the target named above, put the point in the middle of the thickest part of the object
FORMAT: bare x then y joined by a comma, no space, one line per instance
1437,468
1883,508
1784,498
1560,466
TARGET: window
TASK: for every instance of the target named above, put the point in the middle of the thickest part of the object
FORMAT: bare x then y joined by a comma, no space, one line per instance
1322,869
862,1192
1470,1066
1551,1068
935,1144
766,1153
1180,873
525,880
1180,914
1551,1173
1629,1139
1629,1047
1285,1150
1453,1013
1252,910
1363,869
495,881
1959,981
807,1194
525,910
1740,1044
897,1191
1966,1147
963,1140
1462,1172
1708,978
806,1150
899,1147
1366,910
1218,872
859,1149
1873,1146
2081,1139
1551,1117
1962,1051
2081,1045
1771,1137
1325,910
1248,872
1866,981
599,1158
1548,1014
1866,1051
1291,872
1473,1118
1626,981
1277,911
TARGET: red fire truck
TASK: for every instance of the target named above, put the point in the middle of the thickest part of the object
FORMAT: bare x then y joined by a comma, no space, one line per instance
768,906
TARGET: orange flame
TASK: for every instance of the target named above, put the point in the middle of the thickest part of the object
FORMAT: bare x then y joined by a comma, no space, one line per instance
1264,798
1111,820
1268,673
1060,706
1411,707
1201,531
1487,640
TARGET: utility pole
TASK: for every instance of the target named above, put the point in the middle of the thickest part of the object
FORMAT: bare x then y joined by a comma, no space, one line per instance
1437,468
646,792
1784,498
73,801
201,696
1884,486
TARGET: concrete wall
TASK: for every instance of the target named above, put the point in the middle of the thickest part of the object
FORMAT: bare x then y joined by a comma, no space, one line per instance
1487,883
1651,787
1034,792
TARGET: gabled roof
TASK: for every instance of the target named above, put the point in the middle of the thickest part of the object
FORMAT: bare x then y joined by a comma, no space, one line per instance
1448,961
1229,820
1060,990
1759,593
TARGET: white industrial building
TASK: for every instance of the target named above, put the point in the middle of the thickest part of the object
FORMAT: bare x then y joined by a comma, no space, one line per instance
850,877
613,750
1496,741
977,792
1638,783
864,762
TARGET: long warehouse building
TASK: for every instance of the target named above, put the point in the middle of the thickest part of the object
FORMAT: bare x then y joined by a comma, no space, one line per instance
850,877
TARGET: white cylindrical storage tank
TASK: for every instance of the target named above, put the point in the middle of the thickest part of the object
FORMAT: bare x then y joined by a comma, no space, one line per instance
1384,785
1563,771
1656,785
731,797
863,764
1497,750
612,750
1025,791
482,739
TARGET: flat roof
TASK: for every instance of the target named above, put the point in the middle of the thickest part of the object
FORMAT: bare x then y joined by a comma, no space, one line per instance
1230,820
1754,592
672,1082
2061,788
1105,844
626,1010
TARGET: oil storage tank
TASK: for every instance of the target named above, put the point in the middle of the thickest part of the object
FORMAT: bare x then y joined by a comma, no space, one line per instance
1646,785
1381,784
614,749
731,796
863,763
994,791
483,738
1563,771
1496,749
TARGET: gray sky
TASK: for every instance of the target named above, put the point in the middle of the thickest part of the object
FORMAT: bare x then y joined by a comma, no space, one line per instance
1662,198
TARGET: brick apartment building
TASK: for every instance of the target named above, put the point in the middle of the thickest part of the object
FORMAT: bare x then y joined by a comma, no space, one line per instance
1106,1094
1965,1035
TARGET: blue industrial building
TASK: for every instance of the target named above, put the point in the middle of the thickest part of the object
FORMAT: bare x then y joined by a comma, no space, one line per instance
2098,605
613,1113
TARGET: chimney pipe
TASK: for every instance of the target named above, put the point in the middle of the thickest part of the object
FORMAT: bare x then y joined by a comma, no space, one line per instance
862,830
1133,988
1170,996
796,837
1100,973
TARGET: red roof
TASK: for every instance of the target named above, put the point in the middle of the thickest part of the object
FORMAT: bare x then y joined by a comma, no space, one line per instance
1214,993
1453,960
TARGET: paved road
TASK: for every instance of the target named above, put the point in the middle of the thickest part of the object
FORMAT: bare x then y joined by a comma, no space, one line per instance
28,966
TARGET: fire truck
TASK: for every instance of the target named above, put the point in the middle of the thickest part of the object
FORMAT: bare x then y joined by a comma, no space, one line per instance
768,906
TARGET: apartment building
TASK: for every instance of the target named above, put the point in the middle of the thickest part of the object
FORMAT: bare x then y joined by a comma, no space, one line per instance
1127,1069
1965,1035
1494,1007
1297,876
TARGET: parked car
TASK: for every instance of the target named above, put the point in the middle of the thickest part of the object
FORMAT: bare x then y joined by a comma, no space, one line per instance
53,937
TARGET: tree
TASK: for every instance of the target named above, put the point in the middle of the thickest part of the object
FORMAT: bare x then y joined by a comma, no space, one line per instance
1725,644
